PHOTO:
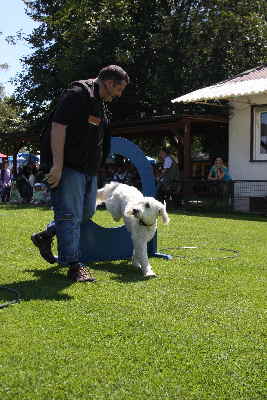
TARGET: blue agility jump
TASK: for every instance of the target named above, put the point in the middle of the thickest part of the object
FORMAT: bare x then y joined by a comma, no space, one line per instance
99,243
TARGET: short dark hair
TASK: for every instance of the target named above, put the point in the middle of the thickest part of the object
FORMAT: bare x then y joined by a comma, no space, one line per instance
166,150
114,73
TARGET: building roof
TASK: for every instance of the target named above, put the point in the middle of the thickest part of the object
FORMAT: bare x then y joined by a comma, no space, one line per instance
247,83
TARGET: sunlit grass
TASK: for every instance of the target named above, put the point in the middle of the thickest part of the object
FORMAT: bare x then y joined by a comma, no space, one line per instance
194,333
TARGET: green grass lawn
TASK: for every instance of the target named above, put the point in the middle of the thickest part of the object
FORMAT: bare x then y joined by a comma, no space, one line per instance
194,333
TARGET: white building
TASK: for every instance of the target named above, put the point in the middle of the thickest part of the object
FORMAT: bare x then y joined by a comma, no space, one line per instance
247,96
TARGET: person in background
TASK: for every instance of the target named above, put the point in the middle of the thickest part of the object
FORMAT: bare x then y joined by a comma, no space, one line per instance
40,194
1,185
34,166
219,177
168,175
219,172
23,184
80,143
6,179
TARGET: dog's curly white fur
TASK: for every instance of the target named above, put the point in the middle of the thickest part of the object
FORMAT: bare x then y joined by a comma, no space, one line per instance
140,217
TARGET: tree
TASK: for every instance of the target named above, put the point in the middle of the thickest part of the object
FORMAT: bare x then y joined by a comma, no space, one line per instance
3,66
169,47
13,127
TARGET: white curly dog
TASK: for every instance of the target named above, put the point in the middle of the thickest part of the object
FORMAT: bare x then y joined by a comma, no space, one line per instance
140,217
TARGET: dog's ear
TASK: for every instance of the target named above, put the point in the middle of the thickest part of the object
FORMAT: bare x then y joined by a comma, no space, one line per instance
164,214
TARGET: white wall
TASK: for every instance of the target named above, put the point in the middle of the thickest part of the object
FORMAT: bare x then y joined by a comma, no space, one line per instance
239,140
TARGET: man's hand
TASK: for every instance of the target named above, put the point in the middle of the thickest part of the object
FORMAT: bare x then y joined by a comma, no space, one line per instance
54,176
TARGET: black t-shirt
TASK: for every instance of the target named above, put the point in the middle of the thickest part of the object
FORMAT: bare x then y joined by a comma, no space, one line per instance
86,122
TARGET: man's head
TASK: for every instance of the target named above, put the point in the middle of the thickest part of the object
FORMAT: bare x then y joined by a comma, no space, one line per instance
164,153
112,80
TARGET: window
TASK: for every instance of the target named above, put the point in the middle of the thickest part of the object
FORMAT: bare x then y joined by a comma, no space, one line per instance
259,133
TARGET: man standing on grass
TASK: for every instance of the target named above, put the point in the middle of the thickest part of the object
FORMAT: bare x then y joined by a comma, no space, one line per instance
79,143
169,173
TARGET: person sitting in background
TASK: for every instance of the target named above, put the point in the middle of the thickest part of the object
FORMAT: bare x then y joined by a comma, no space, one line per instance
1,184
41,194
219,177
23,184
5,178
219,172
117,174
15,197
121,174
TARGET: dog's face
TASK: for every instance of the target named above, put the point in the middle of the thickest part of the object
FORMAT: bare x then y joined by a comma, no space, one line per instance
148,211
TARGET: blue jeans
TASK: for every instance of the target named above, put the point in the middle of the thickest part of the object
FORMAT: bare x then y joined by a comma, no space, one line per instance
73,201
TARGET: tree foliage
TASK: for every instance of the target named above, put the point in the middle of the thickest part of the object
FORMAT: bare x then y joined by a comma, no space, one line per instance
13,126
3,66
168,47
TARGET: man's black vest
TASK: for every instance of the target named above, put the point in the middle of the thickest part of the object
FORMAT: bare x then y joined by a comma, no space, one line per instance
82,155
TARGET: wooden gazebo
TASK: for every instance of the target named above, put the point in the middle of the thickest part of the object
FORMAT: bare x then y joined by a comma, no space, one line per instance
179,130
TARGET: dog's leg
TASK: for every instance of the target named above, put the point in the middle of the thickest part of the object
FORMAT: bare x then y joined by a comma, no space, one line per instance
135,261
114,208
141,257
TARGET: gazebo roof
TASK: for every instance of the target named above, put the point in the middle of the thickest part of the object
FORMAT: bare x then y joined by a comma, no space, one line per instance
167,125
247,83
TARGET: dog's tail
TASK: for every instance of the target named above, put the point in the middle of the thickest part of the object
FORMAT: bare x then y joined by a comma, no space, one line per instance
100,197
164,214
105,192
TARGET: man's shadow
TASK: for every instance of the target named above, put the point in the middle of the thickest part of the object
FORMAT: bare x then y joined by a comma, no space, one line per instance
51,282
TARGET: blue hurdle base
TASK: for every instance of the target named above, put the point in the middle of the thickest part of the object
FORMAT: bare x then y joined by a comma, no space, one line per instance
162,255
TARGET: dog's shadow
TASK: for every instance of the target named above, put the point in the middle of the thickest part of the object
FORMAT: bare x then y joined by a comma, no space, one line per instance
122,271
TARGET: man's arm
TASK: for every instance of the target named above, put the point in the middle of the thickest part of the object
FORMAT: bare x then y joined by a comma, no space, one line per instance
58,135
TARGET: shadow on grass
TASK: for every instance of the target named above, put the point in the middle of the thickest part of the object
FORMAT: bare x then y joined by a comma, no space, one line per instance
217,214
51,282
21,206
123,271
48,287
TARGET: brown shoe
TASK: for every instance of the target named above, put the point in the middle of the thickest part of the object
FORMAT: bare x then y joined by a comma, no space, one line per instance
79,273
44,244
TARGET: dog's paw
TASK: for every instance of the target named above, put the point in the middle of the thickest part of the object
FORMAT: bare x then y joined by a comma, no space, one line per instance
149,274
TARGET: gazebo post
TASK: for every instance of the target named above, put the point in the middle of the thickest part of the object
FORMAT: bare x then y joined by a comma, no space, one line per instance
187,150
187,188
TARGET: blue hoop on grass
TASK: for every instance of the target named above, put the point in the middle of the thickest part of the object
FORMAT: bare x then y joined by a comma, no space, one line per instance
101,244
